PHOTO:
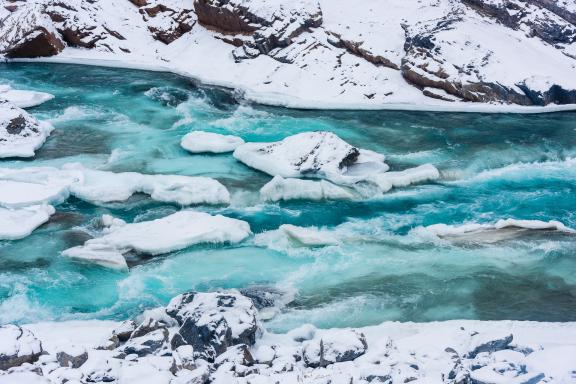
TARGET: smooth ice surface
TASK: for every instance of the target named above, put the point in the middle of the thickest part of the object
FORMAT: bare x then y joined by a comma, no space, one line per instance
16,224
208,142
492,167
22,98
167,234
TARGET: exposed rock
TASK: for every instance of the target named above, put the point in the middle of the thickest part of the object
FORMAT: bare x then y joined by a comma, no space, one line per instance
18,346
73,357
37,43
125,330
334,346
270,27
212,322
20,133
148,344
263,296
165,23
488,344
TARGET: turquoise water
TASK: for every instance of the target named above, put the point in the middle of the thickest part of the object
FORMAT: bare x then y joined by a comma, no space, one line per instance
493,167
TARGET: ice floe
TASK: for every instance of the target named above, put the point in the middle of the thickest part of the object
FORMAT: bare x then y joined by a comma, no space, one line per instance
20,133
202,142
30,186
490,233
171,233
19,223
388,180
103,187
280,188
312,154
23,99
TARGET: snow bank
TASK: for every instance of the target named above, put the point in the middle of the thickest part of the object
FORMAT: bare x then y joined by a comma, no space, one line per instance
295,189
20,133
217,337
202,142
171,233
23,99
19,223
312,154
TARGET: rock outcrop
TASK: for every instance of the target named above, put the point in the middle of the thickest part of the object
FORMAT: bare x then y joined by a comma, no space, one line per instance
17,346
20,133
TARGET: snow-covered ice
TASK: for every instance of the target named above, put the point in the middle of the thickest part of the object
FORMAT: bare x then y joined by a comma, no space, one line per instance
22,98
388,180
20,133
501,230
171,233
18,223
280,188
208,142
312,154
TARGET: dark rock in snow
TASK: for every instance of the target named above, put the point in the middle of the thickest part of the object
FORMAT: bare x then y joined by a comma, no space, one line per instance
72,358
19,346
212,322
334,346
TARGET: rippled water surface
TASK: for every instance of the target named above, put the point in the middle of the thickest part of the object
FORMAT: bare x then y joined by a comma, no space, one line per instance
493,167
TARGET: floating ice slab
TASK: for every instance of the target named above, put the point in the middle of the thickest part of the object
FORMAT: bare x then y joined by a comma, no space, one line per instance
295,189
104,187
202,142
31,186
23,99
19,223
20,133
312,154
388,180
171,233
491,233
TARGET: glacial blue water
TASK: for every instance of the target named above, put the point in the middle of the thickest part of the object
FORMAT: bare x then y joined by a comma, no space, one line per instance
493,167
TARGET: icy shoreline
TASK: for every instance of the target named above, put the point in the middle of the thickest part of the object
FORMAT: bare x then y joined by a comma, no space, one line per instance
285,100
218,338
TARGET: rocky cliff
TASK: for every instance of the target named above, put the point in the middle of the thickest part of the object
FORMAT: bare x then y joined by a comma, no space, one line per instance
437,52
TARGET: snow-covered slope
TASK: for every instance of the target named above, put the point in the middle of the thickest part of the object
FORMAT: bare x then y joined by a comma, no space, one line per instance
481,55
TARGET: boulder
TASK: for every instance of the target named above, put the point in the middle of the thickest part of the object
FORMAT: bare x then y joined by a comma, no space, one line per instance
334,346
18,346
151,343
480,343
72,357
38,42
212,322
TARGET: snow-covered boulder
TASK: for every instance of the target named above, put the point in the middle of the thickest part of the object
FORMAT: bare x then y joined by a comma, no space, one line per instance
72,356
312,154
259,26
19,223
103,187
150,343
208,142
17,346
171,233
20,133
334,346
165,22
280,188
23,99
212,322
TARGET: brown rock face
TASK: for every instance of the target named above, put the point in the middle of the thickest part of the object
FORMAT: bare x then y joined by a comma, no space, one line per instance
213,15
38,43
139,3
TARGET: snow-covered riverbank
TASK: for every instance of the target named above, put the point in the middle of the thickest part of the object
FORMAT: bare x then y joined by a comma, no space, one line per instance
438,55
219,338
